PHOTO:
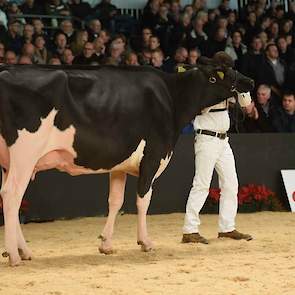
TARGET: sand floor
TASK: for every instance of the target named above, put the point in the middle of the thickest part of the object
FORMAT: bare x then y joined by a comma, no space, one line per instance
66,260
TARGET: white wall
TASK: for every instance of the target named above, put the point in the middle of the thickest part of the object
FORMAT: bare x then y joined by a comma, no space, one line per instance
141,3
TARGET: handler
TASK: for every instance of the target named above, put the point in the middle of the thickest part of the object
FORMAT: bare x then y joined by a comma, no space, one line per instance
213,151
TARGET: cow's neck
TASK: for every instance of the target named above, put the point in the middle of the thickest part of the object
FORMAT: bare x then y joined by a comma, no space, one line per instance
187,99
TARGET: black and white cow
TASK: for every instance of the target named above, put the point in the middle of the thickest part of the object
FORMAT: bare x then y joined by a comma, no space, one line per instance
95,120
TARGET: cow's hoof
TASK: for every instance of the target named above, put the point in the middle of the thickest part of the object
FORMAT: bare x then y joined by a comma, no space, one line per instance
13,261
145,247
24,256
106,251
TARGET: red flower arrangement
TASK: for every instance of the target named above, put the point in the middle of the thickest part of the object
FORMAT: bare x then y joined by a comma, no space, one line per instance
251,198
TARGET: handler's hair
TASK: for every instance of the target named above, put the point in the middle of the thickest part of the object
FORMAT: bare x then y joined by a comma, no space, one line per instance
222,58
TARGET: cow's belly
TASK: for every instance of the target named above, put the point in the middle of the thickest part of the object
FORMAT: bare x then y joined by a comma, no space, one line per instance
63,160
4,155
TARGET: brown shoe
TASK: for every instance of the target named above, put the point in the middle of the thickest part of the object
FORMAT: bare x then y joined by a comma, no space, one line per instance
235,235
194,238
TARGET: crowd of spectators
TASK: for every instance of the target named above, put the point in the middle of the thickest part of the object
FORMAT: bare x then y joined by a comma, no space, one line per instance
259,38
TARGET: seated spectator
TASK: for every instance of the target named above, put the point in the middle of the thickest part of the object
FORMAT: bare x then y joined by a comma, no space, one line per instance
39,29
252,59
193,56
138,44
31,7
251,27
265,110
80,10
25,60
2,53
197,36
284,120
272,71
66,27
236,49
180,57
3,19
150,14
154,43
10,58
264,38
14,12
131,59
224,7
60,44
67,57
99,47
28,33
106,36
106,12
232,25
77,45
29,50
41,53
13,40
286,53
87,57
93,29
145,57
54,61
216,44
157,59
58,8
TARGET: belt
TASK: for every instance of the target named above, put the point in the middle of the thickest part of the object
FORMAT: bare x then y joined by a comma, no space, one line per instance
212,133
217,110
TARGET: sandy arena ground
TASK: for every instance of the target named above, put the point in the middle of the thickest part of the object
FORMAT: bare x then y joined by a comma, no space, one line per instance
66,260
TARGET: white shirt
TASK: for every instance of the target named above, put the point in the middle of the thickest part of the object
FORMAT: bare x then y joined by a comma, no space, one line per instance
219,121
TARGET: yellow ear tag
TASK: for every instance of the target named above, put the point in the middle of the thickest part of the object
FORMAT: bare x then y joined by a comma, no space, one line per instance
220,74
181,69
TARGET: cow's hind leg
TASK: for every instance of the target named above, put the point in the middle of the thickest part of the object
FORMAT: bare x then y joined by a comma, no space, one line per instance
116,198
23,249
12,192
148,168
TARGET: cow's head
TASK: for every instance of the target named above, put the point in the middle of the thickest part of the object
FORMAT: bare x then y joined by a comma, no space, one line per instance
222,81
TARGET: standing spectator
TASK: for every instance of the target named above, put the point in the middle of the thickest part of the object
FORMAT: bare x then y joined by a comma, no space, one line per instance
10,58
56,8
251,27
284,121
67,57
3,19
94,29
224,7
236,49
272,71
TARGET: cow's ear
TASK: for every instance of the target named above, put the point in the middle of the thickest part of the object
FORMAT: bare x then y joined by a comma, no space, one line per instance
220,74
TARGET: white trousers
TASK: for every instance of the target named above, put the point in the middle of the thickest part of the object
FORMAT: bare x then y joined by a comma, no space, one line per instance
212,153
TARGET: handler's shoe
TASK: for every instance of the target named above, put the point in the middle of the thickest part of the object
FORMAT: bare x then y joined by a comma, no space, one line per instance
194,238
235,235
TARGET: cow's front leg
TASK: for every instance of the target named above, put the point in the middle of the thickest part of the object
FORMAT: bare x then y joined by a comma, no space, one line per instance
142,233
116,198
